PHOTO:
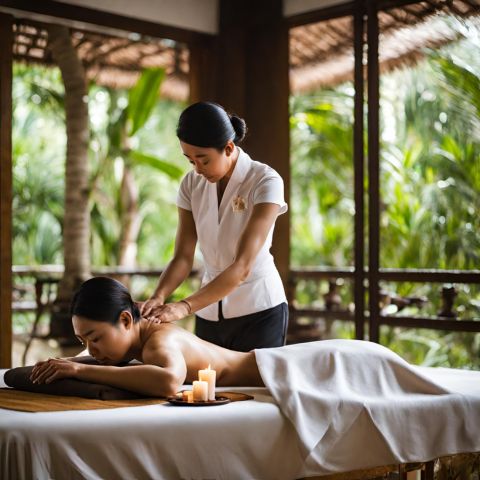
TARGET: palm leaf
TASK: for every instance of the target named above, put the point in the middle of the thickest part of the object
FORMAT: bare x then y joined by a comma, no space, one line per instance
143,97
140,158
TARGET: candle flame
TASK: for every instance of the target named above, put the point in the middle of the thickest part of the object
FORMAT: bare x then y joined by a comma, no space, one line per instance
208,367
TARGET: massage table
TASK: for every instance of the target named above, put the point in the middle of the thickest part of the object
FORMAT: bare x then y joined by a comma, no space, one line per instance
243,440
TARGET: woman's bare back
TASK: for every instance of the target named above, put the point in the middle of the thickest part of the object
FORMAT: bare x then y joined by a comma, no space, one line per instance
233,368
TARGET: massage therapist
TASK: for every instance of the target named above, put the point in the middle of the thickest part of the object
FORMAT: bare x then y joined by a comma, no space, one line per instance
229,204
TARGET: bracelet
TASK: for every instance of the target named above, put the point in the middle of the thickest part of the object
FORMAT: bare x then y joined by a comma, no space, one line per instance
188,305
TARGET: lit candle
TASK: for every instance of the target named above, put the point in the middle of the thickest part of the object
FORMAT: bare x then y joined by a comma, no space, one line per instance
208,375
200,391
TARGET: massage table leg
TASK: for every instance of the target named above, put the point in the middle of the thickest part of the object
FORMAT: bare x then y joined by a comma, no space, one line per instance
427,472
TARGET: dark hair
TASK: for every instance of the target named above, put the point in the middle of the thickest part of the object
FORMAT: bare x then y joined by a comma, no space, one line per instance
207,124
103,299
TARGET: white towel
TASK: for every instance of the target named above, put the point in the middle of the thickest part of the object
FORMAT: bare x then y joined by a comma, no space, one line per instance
356,404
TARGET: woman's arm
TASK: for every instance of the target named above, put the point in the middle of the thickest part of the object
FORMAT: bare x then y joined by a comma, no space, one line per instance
251,241
180,265
161,375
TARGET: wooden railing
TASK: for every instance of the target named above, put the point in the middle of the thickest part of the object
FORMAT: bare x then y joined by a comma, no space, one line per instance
305,320
446,319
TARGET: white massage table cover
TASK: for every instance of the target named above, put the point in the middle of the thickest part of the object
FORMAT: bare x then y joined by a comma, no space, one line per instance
356,404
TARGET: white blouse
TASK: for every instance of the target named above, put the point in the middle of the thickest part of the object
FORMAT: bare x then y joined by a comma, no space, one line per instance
220,227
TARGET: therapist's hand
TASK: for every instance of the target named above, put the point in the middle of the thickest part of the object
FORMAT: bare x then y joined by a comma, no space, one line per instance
54,369
170,312
151,307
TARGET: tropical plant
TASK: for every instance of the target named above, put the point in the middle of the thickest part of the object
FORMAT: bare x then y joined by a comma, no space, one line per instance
430,190
37,191
117,201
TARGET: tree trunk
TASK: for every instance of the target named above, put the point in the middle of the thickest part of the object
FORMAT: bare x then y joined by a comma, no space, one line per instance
129,221
76,222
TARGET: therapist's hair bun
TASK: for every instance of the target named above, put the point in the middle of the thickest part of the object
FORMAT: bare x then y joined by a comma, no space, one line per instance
240,128
207,124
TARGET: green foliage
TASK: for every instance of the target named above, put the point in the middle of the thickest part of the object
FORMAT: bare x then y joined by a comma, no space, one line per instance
430,189
39,144
145,153
142,98
38,165
322,178
171,170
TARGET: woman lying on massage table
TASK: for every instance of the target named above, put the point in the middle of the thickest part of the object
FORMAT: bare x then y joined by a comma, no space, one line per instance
108,323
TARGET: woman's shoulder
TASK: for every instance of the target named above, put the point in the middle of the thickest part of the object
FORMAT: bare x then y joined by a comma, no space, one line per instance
260,169
261,172
158,334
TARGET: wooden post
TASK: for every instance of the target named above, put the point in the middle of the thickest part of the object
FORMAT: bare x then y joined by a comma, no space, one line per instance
359,167
373,171
231,56
267,108
253,82
203,68
6,59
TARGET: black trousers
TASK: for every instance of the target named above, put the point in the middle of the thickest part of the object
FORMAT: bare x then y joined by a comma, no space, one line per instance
264,329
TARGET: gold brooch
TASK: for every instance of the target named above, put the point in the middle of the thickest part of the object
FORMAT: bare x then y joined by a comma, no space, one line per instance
239,204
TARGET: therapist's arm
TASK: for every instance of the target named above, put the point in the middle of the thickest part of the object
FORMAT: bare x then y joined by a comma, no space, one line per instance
181,264
251,241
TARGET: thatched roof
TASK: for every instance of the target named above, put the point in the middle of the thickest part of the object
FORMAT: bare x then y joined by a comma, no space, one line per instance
321,54
110,61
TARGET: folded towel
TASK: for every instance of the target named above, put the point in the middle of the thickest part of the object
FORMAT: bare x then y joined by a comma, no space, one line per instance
19,378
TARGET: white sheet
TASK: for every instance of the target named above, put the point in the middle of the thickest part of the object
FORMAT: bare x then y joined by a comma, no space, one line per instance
241,440
356,405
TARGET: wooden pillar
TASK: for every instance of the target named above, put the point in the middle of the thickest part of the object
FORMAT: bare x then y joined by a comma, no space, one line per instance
373,171
359,167
232,55
253,82
6,59
203,68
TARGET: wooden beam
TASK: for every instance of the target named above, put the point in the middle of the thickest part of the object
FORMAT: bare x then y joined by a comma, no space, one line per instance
6,46
91,16
322,14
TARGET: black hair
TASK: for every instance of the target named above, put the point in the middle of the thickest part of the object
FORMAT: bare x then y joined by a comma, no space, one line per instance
207,124
103,299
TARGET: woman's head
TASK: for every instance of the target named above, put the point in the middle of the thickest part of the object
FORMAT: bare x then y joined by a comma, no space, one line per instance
208,135
103,316
208,125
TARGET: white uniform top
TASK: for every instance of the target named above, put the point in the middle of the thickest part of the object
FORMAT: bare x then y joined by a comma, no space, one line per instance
219,228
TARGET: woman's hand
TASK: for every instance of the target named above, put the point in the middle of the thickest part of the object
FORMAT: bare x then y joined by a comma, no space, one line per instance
151,307
54,369
170,312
